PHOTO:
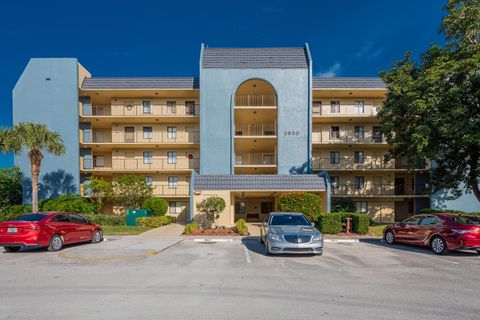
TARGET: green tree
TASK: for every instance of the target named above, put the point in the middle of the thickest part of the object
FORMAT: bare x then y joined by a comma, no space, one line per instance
129,191
212,207
34,139
10,186
158,206
99,189
432,110
343,204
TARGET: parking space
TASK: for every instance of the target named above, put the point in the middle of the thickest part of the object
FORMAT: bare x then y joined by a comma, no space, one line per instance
178,278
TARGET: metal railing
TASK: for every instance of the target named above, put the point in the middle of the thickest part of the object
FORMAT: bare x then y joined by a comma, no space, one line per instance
260,129
171,190
147,164
157,137
256,100
345,110
348,139
351,163
244,159
379,190
139,110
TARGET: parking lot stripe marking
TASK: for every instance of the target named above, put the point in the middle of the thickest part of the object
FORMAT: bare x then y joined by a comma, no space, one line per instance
148,254
247,254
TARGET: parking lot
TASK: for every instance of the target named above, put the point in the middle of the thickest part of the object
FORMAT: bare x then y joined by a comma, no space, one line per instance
176,278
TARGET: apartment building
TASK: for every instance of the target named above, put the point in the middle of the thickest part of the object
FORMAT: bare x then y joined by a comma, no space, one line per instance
253,125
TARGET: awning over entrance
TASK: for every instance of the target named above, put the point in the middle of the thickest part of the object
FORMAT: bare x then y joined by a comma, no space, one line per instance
266,182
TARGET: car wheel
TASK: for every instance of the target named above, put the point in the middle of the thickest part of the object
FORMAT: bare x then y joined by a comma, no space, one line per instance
97,236
56,243
12,249
390,237
438,245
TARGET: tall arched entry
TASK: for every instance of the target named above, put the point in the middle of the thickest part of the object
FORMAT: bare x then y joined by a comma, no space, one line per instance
255,135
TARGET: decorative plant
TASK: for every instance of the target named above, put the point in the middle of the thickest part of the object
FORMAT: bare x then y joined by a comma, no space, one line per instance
212,207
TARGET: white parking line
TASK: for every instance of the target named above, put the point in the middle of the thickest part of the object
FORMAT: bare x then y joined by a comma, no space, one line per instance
212,240
247,254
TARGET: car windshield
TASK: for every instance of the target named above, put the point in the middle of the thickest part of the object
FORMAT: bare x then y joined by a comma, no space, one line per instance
289,219
466,219
31,217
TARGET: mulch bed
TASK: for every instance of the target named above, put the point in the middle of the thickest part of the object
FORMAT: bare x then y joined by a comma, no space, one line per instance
214,232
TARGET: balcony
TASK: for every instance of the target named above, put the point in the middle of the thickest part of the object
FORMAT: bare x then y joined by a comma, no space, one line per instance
255,130
255,100
344,111
347,139
138,110
368,163
180,190
255,159
156,137
143,165
379,190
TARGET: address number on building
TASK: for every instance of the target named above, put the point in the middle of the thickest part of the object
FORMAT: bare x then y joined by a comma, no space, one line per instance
291,133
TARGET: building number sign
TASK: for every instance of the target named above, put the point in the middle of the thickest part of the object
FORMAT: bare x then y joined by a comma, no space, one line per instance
291,133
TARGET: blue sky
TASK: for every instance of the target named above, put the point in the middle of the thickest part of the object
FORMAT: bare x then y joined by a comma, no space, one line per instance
153,38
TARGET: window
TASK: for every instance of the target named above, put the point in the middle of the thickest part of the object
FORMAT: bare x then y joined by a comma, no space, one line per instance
429,220
74,218
149,180
171,157
171,107
147,107
147,133
172,132
359,157
359,182
148,157
60,218
335,182
173,182
413,221
334,157
335,107
175,207
99,161
190,108
376,134
359,132
240,207
317,107
359,107
335,132
361,206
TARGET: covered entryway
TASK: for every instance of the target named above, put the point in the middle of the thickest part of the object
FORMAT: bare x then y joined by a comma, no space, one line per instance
252,197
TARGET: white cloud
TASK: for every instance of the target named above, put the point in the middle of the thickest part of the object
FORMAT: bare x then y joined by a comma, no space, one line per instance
368,52
331,72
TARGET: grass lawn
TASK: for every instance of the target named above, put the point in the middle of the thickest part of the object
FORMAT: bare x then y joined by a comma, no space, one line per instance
123,230
376,230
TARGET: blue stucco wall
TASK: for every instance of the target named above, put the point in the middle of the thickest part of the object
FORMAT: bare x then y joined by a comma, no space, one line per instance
217,91
467,202
52,102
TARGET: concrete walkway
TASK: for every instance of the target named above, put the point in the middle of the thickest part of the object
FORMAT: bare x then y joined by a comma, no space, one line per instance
254,228
170,230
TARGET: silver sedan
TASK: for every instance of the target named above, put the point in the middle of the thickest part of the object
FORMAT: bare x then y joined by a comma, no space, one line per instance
290,232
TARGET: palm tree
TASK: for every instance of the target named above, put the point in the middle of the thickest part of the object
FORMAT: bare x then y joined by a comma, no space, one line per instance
33,138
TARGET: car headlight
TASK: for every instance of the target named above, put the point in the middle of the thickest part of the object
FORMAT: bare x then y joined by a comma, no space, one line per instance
275,237
317,238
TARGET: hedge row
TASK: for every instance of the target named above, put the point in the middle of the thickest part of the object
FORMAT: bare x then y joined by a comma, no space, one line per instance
155,222
333,223
106,220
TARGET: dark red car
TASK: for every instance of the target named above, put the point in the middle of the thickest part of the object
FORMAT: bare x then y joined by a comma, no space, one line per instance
51,230
440,232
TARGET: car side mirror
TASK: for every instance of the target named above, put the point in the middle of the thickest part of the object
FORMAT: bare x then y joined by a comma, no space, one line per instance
264,224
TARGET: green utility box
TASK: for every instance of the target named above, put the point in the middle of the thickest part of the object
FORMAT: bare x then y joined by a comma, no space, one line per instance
132,216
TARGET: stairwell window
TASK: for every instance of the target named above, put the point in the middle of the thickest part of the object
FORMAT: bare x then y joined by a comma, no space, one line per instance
173,182
171,157
335,107
148,157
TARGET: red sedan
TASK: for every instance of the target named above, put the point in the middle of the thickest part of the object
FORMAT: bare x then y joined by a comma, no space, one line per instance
440,232
51,230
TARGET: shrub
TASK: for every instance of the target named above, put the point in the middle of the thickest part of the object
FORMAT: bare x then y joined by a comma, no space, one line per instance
106,220
70,203
241,227
157,206
211,208
155,222
190,228
13,212
344,204
307,203
360,223
330,223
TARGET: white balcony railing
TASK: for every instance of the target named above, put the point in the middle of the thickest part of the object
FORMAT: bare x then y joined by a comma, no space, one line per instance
264,159
256,100
258,129
139,110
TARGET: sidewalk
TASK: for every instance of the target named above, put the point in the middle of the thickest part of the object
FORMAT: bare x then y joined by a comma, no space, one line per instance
170,230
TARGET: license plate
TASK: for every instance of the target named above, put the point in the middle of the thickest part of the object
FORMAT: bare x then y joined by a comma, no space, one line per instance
11,230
